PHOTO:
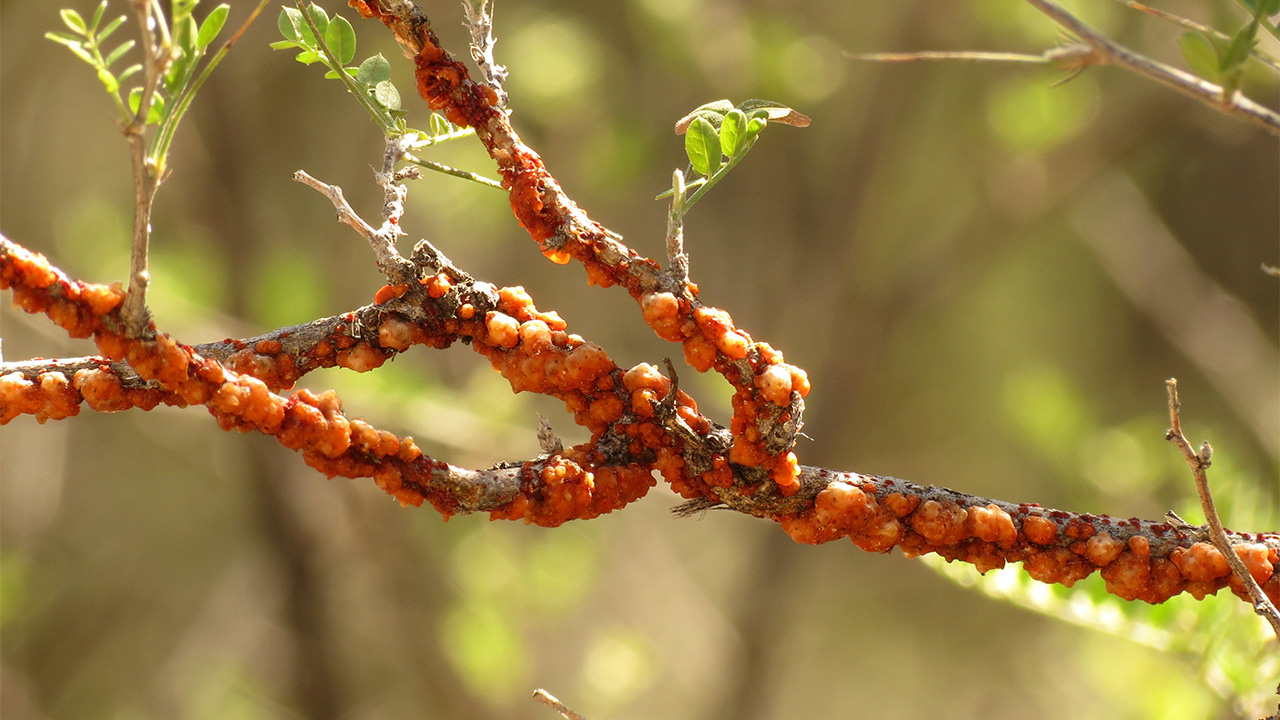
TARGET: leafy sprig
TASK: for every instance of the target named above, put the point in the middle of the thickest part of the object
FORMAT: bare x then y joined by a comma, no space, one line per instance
182,44
86,41
331,42
716,138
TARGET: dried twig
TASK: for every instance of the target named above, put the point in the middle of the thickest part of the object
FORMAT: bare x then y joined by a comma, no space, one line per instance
383,241
550,701
1199,461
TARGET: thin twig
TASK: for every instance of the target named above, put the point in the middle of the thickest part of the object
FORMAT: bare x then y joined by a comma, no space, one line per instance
1199,461
974,56
1112,53
455,172
146,176
392,264
550,701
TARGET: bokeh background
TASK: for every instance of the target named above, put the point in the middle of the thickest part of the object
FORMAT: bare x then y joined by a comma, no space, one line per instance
987,277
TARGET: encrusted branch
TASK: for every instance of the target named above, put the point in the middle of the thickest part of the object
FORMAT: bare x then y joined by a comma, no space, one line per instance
630,414
639,420
764,383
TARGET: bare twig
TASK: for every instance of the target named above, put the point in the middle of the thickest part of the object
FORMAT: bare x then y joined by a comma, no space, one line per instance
390,262
1271,270
923,55
1199,461
1112,53
550,701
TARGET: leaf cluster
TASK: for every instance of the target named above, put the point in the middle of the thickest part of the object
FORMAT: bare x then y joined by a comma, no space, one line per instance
180,46
717,136
332,43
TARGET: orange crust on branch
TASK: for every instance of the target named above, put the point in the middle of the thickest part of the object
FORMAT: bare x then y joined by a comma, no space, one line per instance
769,393
314,425
1138,559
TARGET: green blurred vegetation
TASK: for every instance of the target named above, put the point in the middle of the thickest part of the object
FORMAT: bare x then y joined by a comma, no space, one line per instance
921,250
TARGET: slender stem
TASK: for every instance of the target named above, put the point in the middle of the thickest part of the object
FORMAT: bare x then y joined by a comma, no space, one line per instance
1199,463
455,172
718,176
941,55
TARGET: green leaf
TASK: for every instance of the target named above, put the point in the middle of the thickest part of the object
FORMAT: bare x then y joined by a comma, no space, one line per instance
318,17
283,45
154,113
712,112
294,27
1200,55
333,74
97,16
1269,7
285,23
129,72
439,126
374,70
774,112
176,76
72,20
110,28
118,53
1238,51
387,95
212,25
341,39
108,80
185,32
732,131
74,45
702,145
307,57
754,126
65,39
182,9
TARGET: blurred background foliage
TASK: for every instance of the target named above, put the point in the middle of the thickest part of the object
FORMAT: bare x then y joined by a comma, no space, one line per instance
988,279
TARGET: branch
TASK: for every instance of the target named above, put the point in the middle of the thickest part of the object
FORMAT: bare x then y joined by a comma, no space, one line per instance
1199,463
764,406
1112,53
1138,559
